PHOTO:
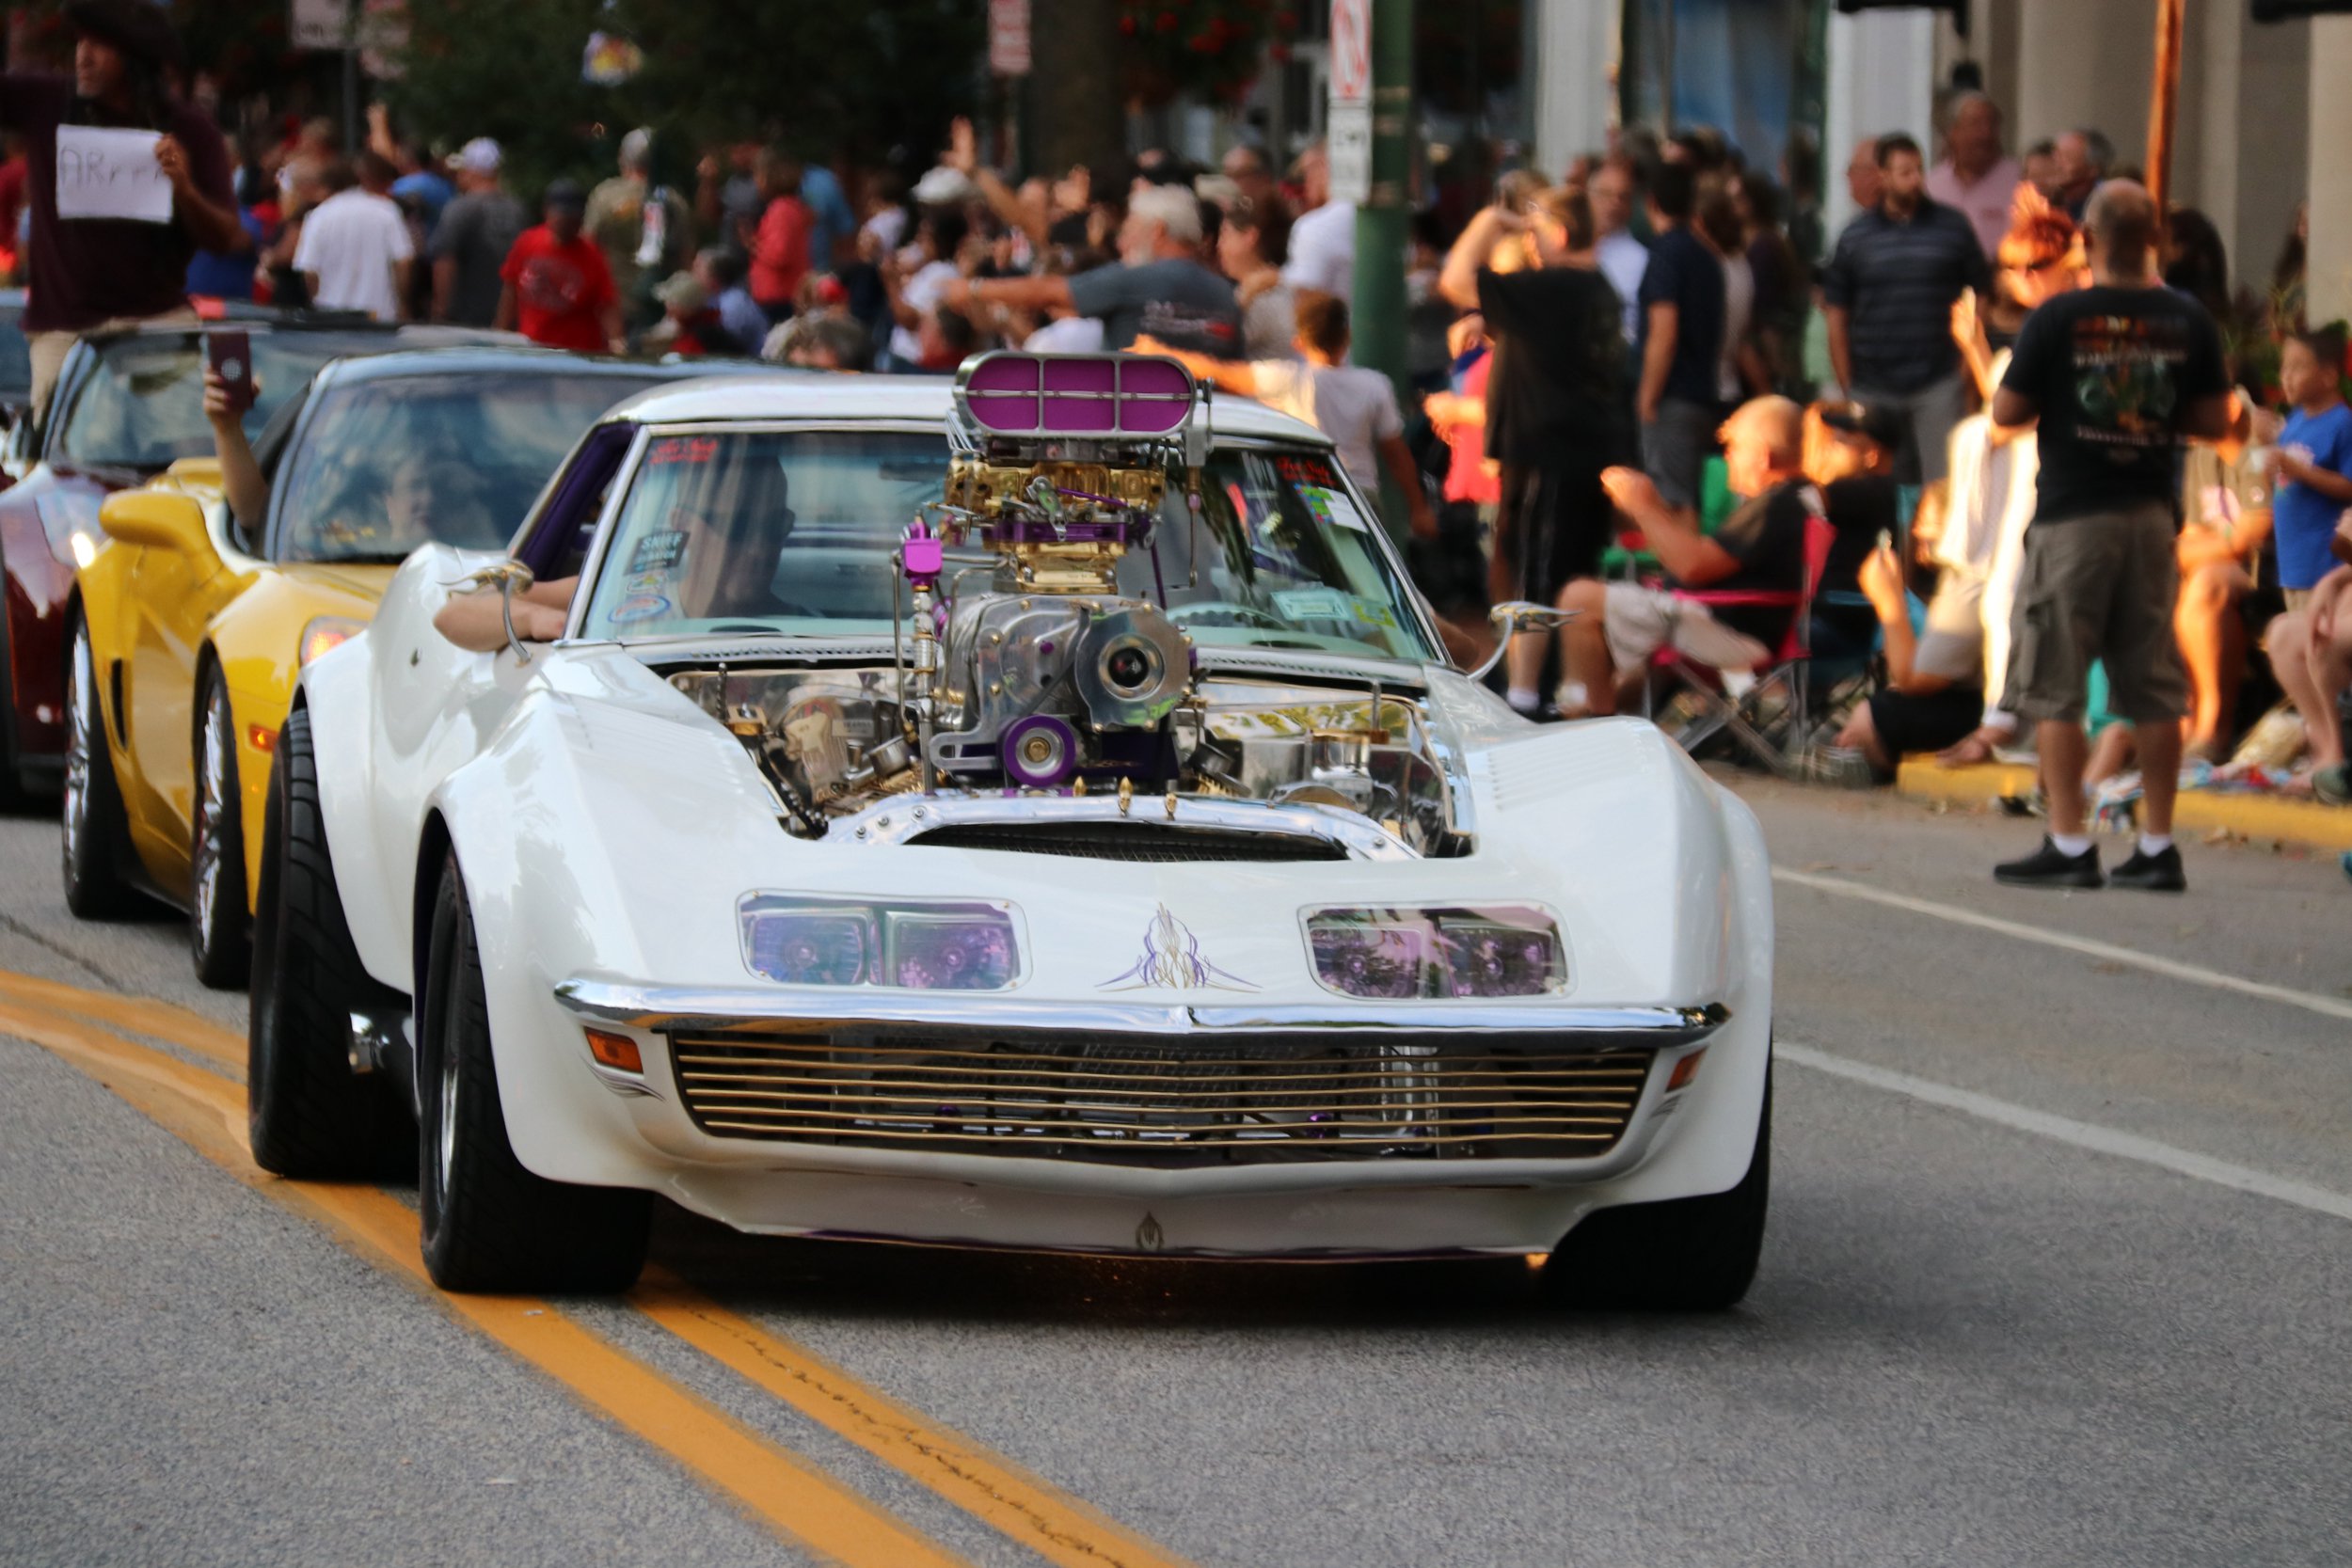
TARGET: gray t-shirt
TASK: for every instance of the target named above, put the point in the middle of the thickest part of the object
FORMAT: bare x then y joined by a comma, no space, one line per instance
1176,300
477,231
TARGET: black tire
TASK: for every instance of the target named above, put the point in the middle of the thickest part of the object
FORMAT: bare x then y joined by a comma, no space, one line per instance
220,935
488,1224
95,836
308,1114
1685,1255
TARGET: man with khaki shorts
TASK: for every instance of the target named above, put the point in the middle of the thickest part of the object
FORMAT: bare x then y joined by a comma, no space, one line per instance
1761,547
2115,376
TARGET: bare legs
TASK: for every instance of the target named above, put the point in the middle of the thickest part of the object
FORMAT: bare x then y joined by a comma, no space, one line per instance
2213,645
1585,645
2312,674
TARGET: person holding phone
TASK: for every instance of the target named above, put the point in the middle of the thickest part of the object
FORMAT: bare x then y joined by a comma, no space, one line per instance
84,274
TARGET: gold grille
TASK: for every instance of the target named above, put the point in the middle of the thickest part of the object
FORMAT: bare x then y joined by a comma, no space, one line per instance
1144,1101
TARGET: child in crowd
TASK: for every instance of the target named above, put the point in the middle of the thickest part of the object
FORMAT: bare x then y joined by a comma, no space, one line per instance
2311,469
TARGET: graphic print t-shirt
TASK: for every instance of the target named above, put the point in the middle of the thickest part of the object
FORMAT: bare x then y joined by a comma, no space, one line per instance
2113,371
558,289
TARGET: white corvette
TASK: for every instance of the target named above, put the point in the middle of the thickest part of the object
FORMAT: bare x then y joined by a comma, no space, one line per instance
1035,813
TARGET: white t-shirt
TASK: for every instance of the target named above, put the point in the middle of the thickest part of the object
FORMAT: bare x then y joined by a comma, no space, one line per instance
921,292
350,243
1355,407
1323,250
1069,335
1739,307
1623,261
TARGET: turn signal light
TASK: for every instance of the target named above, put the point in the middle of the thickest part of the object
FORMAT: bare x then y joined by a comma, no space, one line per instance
327,633
1685,1071
260,737
616,1051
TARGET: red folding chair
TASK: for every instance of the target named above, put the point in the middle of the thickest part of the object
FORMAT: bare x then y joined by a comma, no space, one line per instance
1775,734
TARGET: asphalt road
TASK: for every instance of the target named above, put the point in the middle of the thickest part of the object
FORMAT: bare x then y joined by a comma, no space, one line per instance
2059,1253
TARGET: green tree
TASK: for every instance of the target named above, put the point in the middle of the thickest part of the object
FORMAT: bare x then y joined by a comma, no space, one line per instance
510,71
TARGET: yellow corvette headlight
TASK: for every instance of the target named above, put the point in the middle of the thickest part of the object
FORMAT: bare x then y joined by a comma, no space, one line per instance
326,633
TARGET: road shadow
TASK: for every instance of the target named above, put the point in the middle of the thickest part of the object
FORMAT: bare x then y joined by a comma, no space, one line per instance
878,1282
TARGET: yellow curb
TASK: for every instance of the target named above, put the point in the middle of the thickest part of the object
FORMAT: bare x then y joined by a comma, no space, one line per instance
2200,810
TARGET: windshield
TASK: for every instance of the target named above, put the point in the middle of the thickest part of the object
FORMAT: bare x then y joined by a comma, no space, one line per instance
793,532
384,465
142,405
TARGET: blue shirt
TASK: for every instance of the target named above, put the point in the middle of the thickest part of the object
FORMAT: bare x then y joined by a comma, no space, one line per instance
429,191
743,318
1683,273
2302,518
223,276
830,219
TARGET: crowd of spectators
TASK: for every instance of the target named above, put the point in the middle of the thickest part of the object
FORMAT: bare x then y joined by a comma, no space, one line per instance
1631,384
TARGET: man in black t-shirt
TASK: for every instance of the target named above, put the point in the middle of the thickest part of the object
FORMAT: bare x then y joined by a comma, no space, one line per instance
2117,376
1555,403
1681,343
1760,549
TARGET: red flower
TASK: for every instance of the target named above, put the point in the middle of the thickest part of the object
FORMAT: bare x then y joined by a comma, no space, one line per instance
1166,23
1127,25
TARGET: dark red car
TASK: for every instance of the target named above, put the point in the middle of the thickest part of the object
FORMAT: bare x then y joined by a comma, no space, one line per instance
128,406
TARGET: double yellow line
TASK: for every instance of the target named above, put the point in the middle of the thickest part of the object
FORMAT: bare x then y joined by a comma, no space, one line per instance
102,1035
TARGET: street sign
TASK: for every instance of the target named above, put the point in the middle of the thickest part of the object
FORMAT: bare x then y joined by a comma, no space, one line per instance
319,24
1349,144
1009,37
1351,52
1347,138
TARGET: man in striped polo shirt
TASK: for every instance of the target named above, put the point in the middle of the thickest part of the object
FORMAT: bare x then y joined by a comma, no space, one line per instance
1890,287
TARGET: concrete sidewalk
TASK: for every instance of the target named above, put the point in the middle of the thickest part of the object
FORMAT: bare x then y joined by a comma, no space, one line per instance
2248,815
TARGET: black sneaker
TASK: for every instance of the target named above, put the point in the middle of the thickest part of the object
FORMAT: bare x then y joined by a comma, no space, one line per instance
2049,867
2152,873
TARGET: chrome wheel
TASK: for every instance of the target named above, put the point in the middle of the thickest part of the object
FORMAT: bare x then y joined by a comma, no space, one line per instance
81,734
212,805
445,1149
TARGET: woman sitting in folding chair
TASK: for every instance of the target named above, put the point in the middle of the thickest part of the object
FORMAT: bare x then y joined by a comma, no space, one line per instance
1730,600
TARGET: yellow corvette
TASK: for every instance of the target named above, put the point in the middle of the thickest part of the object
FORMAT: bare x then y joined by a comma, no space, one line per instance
191,621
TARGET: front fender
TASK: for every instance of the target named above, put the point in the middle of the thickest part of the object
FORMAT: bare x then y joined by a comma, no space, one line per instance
256,643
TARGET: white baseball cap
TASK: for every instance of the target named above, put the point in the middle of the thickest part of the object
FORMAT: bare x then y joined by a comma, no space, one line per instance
478,156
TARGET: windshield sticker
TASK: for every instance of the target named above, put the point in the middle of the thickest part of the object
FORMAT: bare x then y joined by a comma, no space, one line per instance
1301,469
1313,604
646,582
1374,614
682,449
1332,506
658,552
639,606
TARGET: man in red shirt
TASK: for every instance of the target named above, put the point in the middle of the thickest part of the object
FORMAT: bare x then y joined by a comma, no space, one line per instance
780,245
558,290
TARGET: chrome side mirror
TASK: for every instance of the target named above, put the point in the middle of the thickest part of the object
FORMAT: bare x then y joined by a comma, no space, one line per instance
1514,618
509,577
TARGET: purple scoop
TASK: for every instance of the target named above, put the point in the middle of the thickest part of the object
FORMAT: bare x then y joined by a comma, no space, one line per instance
1084,395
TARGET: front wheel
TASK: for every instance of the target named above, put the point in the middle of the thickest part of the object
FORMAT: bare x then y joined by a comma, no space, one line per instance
1685,1255
307,1113
94,836
490,1224
219,935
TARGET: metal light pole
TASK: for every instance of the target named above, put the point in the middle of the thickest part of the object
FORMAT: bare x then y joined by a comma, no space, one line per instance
1380,217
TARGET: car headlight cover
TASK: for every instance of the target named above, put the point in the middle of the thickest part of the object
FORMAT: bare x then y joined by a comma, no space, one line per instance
906,944
1401,954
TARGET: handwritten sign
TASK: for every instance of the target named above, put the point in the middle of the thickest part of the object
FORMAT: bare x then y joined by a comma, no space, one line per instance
104,173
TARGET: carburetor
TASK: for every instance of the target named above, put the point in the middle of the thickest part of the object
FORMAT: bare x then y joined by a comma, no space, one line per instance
1048,676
